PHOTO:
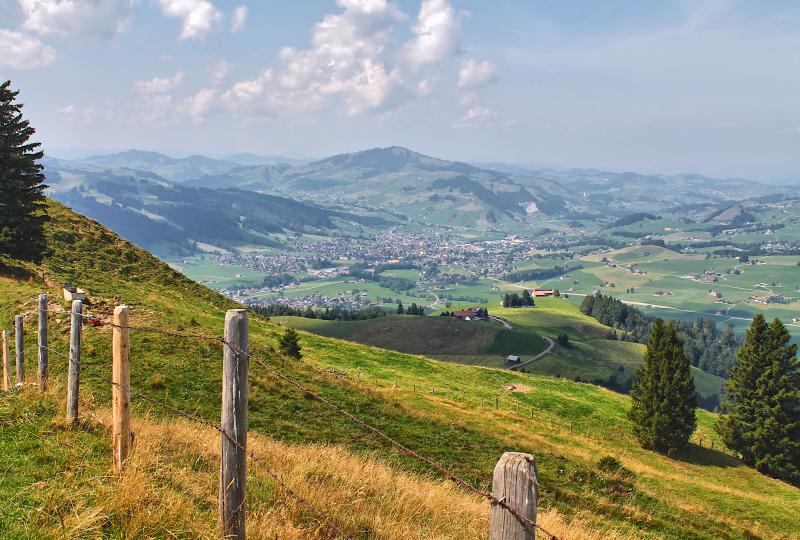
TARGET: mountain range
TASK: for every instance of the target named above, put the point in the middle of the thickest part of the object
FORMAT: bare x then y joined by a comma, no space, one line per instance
157,198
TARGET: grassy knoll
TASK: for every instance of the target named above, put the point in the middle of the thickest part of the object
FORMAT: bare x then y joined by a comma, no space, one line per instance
589,356
60,484
430,336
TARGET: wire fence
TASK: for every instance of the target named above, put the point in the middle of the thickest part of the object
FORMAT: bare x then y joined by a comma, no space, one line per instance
95,320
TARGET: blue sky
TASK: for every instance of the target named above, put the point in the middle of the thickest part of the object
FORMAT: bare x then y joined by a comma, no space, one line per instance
710,86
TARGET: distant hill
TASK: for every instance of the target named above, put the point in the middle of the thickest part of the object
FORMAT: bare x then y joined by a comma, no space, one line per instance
158,214
175,169
420,186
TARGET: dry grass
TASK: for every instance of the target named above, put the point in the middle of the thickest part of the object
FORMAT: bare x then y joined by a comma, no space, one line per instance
169,491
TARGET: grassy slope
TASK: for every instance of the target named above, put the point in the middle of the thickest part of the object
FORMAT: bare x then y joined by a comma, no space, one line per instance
59,479
434,336
590,355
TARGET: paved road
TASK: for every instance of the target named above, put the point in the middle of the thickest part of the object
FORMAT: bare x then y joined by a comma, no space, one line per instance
549,348
504,322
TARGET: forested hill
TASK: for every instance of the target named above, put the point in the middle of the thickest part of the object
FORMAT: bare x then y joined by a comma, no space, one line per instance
155,213
709,347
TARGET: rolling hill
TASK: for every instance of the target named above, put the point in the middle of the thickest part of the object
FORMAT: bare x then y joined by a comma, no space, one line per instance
158,214
60,484
406,181
588,357
174,169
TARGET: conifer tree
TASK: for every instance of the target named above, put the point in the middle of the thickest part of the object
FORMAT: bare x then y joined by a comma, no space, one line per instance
400,309
22,186
289,344
761,414
663,394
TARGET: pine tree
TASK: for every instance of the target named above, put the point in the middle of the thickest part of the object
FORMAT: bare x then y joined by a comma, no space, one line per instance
22,213
527,300
289,344
400,310
663,394
507,300
761,414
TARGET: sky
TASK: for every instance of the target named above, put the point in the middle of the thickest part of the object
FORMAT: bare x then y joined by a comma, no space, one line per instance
706,86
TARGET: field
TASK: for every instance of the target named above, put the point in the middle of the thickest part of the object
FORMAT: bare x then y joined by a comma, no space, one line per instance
444,338
664,289
61,487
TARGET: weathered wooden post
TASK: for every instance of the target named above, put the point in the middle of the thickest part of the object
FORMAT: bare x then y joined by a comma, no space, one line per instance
497,403
43,359
120,390
6,361
74,372
514,483
234,425
19,342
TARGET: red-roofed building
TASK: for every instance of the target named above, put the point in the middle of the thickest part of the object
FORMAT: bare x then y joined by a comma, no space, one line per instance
543,292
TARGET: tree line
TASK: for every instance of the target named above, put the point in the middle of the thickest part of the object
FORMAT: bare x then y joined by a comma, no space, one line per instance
540,273
515,300
328,314
709,348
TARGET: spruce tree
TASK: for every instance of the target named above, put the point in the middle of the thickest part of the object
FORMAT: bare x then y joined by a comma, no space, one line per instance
663,394
22,213
761,413
289,344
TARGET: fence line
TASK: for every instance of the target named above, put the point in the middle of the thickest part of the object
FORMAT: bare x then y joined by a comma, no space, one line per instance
209,424
76,363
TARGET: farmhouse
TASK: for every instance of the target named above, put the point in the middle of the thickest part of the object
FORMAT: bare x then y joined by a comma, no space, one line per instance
513,359
472,314
543,292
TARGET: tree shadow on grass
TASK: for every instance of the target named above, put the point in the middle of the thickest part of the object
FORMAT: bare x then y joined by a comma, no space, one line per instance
699,455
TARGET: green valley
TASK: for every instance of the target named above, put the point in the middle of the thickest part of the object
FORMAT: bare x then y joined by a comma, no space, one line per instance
422,402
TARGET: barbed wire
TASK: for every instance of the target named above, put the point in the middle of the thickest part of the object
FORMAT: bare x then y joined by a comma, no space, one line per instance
207,423
493,499
406,450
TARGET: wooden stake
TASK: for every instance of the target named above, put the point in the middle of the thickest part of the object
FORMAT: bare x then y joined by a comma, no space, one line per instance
233,466
19,341
6,361
497,403
43,358
120,391
74,374
515,483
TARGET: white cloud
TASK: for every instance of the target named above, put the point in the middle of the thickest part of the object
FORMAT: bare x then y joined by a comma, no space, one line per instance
199,104
97,18
479,114
21,51
159,85
220,70
438,34
239,19
474,73
350,61
198,17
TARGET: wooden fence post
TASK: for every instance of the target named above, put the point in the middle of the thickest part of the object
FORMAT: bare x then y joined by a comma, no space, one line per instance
120,391
515,483
496,403
6,361
74,373
19,341
43,358
234,426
